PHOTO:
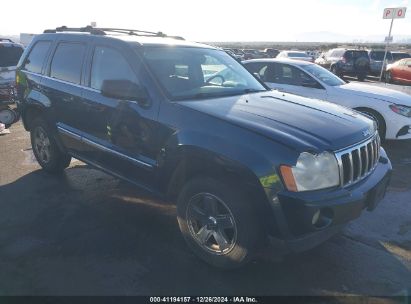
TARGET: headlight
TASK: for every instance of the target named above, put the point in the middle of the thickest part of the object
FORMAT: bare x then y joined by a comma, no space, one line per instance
312,172
401,109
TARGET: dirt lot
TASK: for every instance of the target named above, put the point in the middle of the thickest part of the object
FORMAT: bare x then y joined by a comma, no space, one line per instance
87,233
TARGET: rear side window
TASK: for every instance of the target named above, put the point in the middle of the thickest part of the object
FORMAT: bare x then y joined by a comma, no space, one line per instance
109,64
10,55
37,55
67,62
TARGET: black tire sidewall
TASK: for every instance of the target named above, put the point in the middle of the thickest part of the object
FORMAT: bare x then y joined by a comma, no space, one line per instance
382,129
388,77
249,232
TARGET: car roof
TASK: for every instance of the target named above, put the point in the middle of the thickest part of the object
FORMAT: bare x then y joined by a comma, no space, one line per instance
294,51
135,39
8,44
280,60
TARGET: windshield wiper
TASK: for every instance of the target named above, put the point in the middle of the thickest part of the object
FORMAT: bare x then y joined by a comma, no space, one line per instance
246,91
217,95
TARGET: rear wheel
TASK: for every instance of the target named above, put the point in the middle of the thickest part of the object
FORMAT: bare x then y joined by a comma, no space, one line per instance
361,76
218,223
45,148
336,71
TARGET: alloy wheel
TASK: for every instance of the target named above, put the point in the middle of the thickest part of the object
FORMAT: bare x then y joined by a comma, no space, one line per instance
42,145
211,223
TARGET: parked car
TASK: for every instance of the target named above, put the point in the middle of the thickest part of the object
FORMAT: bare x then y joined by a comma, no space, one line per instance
271,53
234,55
400,71
10,53
376,61
390,109
313,54
245,165
252,54
297,55
399,55
346,62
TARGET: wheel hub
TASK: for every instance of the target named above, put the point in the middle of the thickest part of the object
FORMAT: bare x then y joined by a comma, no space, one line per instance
211,223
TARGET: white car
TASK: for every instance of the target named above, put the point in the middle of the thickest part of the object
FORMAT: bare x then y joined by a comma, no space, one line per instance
297,55
389,108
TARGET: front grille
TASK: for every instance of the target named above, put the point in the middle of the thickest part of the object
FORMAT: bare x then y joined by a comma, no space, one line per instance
357,162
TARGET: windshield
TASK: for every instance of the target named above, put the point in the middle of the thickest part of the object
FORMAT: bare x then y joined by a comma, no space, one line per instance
324,75
196,73
9,55
295,54
398,56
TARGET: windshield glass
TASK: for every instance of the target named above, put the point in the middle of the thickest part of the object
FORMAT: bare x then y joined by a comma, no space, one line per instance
9,55
398,56
195,73
295,54
324,75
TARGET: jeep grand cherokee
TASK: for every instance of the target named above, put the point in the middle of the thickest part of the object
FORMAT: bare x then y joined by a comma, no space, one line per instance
246,166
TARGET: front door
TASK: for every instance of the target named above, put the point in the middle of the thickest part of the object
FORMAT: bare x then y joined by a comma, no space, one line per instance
290,79
120,133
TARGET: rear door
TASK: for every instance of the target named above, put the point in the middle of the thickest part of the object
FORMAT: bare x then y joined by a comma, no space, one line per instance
62,86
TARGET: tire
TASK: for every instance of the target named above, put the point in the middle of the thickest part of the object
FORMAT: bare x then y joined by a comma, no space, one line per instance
388,77
205,207
379,119
335,71
45,149
361,77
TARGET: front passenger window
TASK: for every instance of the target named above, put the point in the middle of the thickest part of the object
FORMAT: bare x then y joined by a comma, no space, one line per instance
109,64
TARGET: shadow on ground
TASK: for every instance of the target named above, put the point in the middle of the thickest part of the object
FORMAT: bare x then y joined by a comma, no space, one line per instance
87,233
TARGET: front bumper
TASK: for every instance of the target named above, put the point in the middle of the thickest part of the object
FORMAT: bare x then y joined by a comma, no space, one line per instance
295,211
398,127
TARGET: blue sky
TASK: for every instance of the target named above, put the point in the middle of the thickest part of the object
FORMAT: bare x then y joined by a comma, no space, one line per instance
213,20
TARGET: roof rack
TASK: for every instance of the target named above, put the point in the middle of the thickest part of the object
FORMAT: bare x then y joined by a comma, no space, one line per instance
6,39
102,31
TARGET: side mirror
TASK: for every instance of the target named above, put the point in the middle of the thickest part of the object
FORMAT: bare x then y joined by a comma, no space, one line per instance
124,90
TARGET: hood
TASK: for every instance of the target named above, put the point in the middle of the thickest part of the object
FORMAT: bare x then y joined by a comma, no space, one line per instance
371,91
300,123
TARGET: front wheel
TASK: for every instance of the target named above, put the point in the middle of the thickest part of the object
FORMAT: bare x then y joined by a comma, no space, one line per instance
45,149
218,223
388,77
378,119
